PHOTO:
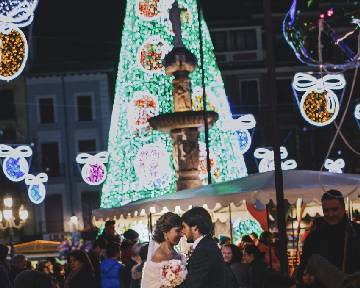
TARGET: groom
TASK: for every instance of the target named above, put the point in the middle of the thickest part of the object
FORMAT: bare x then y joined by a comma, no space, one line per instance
206,265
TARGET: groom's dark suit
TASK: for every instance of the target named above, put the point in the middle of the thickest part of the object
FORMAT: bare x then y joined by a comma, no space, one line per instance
206,266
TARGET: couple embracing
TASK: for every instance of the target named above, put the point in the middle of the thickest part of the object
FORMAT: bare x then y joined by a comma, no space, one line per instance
166,268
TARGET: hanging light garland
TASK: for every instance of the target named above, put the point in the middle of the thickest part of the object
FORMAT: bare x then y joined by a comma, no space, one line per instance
15,165
36,190
94,171
13,44
335,166
266,157
319,105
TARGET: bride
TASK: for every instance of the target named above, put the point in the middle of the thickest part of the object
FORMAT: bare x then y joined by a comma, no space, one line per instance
167,234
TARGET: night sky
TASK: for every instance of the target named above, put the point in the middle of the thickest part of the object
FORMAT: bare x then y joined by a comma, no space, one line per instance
90,31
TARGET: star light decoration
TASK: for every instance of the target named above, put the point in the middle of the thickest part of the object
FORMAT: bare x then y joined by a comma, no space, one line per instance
335,166
94,171
15,166
319,105
36,190
266,157
13,45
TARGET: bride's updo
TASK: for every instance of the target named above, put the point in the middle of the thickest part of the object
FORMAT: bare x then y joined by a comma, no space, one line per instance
165,223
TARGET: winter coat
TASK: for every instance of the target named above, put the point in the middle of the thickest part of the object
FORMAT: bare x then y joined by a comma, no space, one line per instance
111,271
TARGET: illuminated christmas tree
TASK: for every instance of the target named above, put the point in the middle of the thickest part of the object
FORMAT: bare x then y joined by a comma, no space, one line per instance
140,163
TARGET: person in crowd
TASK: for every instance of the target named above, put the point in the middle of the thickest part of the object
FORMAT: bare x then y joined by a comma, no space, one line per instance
17,265
224,240
34,279
111,269
245,240
4,267
335,238
254,238
129,264
136,270
233,259
268,249
96,254
59,273
46,266
257,273
81,271
206,267
131,237
109,234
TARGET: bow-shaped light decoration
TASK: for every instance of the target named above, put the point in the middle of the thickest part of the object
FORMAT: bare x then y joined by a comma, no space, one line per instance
319,105
14,48
15,166
241,127
266,163
335,166
357,112
94,171
36,190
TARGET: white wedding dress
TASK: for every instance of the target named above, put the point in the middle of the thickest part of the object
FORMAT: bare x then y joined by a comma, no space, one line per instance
151,276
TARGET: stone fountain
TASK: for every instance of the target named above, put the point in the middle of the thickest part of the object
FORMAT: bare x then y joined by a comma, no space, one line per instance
183,124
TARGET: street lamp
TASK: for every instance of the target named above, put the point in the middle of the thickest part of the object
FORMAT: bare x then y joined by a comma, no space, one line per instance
9,221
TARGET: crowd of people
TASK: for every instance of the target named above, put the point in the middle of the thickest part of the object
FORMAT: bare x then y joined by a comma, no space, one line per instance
330,257
110,263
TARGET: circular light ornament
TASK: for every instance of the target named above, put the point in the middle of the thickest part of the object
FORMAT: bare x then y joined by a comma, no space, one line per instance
94,171
357,112
13,53
142,107
151,54
319,105
152,166
15,166
36,190
148,9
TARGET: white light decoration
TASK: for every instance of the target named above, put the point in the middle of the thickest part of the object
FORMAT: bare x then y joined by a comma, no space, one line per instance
13,44
8,202
23,213
15,166
335,166
241,128
151,53
142,107
357,112
319,105
36,190
266,157
94,171
152,166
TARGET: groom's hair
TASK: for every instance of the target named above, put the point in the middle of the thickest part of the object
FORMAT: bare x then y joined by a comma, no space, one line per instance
199,217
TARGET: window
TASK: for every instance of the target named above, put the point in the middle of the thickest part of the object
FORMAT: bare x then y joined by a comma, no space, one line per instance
7,105
89,201
87,146
50,158
220,41
249,93
243,40
84,108
46,110
54,214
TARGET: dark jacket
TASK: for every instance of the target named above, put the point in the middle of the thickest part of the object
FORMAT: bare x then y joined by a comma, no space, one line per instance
32,279
129,264
111,273
82,278
206,267
241,272
4,275
258,274
230,280
328,241
95,261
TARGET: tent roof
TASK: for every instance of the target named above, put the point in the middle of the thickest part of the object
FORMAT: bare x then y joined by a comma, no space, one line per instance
308,185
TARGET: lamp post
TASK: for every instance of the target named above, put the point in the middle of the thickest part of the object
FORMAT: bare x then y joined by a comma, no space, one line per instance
9,221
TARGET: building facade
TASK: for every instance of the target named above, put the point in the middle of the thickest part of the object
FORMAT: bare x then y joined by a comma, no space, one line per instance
67,114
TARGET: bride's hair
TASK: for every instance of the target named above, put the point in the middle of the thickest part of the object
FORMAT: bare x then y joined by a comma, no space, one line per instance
165,223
